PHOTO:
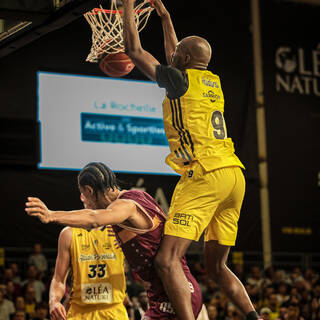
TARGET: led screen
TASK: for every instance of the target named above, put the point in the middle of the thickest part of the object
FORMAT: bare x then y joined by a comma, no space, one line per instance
115,121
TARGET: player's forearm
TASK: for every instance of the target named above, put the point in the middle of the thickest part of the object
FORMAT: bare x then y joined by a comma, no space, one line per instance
56,292
85,218
131,38
170,37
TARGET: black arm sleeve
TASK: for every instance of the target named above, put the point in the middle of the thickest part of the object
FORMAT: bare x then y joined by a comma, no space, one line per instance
173,80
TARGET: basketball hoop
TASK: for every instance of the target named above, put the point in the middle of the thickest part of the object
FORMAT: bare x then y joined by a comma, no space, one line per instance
106,25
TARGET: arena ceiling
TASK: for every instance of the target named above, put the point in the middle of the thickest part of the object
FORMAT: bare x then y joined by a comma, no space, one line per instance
23,21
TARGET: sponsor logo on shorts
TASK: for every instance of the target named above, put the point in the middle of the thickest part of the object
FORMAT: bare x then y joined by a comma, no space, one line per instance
96,292
183,219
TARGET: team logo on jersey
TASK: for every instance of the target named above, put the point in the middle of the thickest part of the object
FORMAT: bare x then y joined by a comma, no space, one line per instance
85,247
210,94
190,174
97,257
209,82
96,242
106,246
183,219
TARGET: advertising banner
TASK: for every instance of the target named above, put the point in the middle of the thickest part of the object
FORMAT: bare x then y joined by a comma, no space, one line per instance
291,56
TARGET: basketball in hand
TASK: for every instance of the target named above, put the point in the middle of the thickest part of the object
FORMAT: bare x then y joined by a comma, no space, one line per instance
116,64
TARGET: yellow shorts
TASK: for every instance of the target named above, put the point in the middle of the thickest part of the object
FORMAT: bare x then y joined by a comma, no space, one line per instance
209,200
113,312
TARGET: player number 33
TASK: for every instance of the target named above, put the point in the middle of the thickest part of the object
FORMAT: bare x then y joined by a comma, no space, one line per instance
97,270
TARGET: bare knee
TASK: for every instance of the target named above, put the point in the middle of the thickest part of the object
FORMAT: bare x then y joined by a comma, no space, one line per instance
169,255
216,270
164,263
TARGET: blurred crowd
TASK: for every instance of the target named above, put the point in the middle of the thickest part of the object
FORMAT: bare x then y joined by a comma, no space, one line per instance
277,294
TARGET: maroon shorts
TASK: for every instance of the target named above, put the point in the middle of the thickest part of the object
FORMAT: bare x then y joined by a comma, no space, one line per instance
164,311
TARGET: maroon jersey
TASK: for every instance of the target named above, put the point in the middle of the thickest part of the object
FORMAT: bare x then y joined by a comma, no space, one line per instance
141,246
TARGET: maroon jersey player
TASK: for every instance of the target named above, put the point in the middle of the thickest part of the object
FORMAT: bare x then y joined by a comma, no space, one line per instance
138,223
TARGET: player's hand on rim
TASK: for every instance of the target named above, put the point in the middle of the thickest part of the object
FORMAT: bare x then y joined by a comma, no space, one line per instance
36,208
128,1
58,312
160,8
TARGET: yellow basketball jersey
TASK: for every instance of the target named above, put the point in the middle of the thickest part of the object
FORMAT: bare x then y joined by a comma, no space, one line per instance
195,126
97,269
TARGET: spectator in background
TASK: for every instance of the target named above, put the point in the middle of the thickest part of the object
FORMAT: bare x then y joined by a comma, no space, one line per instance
316,290
314,309
141,306
255,277
282,293
283,310
310,277
269,275
19,315
265,293
16,275
8,275
20,304
30,301
280,276
31,280
265,313
293,312
41,311
232,313
273,304
38,259
6,306
212,312
10,291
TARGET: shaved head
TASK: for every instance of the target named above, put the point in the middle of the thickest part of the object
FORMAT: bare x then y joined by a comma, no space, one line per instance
194,52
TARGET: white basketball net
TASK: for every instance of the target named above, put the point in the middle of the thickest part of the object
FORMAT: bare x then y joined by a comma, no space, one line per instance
106,25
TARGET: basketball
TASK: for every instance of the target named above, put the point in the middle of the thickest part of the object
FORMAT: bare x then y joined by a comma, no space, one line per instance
116,64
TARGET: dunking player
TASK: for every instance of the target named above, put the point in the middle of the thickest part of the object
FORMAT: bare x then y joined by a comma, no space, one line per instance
138,223
210,192
98,279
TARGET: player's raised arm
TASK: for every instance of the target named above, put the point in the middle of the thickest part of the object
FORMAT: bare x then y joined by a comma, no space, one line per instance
132,45
169,34
117,212
58,283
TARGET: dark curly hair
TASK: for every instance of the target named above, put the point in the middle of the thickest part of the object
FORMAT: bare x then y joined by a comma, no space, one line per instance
98,176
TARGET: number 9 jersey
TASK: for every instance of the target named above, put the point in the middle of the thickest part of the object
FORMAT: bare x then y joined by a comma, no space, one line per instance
98,280
195,126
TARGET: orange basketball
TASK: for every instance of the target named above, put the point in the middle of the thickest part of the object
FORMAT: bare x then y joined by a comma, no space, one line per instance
116,64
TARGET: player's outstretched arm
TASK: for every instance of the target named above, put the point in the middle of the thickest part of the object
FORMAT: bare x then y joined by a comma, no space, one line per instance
119,211
58,283
132,45
170,37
